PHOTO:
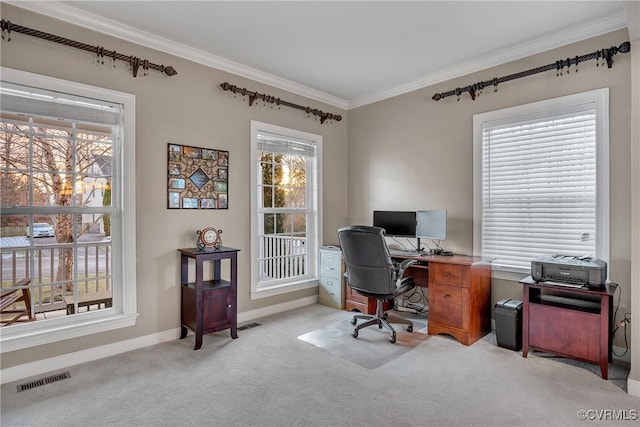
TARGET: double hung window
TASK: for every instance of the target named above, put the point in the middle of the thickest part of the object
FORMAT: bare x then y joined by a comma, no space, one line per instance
541,180
67,198
285,207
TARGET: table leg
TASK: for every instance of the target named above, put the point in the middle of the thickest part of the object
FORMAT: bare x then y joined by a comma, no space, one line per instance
605,336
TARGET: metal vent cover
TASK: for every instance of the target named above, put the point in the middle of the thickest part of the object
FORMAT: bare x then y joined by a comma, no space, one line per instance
249,326
43,381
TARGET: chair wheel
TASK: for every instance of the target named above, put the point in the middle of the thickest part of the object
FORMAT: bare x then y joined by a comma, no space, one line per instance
354,334
392,340
410,328
354,321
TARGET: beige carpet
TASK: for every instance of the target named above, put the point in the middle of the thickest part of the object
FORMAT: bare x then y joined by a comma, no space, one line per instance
270,378
372,348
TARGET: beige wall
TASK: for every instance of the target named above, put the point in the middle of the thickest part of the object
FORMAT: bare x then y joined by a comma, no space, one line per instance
410,152
189,109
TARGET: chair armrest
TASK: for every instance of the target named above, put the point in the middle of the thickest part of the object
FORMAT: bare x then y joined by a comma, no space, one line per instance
401,269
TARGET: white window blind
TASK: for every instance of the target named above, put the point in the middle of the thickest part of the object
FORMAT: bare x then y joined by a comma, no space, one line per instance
276,144
58,106
539,190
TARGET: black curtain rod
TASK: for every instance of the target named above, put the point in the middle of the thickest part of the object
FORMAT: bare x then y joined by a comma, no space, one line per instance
277,101
100,51
602,54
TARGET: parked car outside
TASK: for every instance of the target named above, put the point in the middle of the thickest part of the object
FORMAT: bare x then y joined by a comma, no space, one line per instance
41,229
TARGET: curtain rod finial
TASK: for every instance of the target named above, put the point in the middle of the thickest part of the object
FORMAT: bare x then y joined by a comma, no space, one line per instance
624,47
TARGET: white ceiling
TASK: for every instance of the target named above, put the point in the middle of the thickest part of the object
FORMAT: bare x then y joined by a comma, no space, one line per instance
345,53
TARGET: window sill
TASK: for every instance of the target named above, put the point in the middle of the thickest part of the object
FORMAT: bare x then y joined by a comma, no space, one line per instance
509,273
283,288
41,332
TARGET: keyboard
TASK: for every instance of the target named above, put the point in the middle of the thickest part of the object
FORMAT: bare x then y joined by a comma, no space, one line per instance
405,253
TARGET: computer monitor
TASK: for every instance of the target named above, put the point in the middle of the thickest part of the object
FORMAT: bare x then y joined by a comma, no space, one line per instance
396,223
432,224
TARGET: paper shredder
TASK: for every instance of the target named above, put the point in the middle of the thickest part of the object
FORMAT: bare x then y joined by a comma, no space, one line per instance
508,318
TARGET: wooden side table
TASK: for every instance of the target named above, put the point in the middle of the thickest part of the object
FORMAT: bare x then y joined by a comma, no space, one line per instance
570,322
208,305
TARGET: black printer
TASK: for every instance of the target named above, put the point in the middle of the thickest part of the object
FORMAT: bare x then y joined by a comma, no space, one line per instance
586,271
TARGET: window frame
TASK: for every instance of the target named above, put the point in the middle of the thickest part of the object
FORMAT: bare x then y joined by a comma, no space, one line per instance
124,310
517,113
314,197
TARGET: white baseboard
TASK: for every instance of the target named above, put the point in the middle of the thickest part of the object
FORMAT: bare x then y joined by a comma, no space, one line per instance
64,361
247,316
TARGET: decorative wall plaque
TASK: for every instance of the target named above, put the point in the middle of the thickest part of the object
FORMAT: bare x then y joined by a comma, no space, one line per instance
197,178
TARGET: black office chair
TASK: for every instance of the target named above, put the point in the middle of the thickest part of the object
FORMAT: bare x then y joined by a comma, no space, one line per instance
372,273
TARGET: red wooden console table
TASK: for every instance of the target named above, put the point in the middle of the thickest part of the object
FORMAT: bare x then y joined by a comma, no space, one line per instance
570,322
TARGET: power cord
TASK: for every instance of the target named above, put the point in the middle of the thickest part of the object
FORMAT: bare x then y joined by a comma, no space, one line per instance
399,242
622,323
415,301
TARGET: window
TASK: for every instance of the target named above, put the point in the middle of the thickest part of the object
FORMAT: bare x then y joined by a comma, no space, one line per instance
67,198
285,199
541,180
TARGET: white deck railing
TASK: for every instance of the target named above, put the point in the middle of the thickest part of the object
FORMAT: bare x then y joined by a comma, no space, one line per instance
92,271
282,257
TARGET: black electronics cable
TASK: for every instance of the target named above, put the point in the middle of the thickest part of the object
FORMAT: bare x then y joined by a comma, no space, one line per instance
399,242
416,304
624,321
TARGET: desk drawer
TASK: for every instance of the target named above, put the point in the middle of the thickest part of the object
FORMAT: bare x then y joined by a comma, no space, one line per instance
354,296
446,274
331,259
445,305
331,293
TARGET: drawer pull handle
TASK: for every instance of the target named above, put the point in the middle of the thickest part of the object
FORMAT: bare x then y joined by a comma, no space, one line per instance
447,296
329,282
447,273
228,305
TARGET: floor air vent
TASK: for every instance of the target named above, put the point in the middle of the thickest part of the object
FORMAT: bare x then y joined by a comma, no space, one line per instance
248,326
43,381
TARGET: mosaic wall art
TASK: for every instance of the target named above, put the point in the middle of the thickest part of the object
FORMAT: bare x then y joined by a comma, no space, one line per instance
197,178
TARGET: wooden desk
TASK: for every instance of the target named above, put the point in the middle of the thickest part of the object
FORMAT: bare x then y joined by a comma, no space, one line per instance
208,305
570,322
459,294
87,300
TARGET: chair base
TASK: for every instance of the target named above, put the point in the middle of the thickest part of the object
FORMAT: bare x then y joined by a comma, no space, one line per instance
381,319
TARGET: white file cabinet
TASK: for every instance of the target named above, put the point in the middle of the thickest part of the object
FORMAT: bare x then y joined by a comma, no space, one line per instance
331,291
